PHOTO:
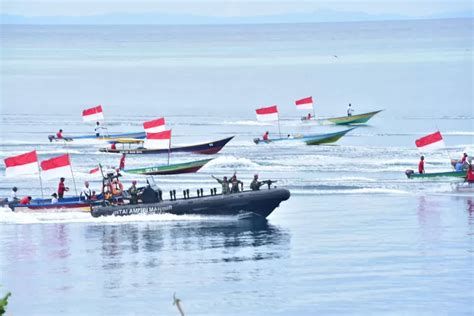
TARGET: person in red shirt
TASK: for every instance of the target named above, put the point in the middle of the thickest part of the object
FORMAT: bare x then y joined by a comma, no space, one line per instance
469,174
62,188
59,135
265,136
421,165
25,200
309,116
122,162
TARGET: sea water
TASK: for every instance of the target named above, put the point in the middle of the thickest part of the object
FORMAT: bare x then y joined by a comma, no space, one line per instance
356,236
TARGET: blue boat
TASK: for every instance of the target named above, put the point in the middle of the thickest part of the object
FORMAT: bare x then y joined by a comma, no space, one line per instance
314,139
135,135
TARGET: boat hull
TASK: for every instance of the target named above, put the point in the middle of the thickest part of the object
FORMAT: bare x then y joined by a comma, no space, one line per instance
259,203
209,148
187,167
354,119
316,139
329,138
453,174
139,135
52,208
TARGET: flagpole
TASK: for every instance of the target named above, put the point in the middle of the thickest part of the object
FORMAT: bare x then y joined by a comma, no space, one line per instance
41,180
169,150
70,166
279,129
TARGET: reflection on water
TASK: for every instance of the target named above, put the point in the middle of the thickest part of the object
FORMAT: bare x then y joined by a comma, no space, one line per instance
429,218
155,237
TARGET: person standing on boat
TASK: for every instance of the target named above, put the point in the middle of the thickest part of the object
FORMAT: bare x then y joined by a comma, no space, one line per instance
255,184
235,184
349,110
469,173
62,188
13,195
224,183
309,116
97,129
421,165
86,193
122,162
59,135
464,158
133,190
266,136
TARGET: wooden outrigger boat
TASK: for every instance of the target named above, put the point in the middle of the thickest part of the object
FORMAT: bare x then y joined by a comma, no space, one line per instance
186,167
126,147
70,204
354,119
108,137
316,139
456,174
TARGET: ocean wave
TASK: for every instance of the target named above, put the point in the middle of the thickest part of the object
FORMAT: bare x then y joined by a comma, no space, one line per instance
232,162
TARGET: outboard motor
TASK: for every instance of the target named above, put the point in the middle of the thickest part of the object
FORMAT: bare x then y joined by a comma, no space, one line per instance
256,140
409,172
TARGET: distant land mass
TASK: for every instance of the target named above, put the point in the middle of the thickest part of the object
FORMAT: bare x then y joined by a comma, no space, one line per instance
178,19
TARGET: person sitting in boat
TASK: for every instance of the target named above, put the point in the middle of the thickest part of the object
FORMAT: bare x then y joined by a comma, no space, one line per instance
421,165
54,200
62,188
235,184
94,196
59,135
133,190
86,192
255,184
13,195
122,162
25,200
349,110
225,185
266,136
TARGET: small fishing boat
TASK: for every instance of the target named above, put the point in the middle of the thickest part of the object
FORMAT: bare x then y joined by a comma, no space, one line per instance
456,174
136,135
185,167
252,204
354,119
315,139
125,146
71,204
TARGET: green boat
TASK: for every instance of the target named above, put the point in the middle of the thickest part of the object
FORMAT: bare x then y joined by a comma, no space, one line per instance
185,167
456,174
327,138
354,119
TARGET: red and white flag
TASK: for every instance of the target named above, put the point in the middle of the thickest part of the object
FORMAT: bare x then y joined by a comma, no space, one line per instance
93,114
24,164
267,114
430,142
304,104
161,140
155,126
56,167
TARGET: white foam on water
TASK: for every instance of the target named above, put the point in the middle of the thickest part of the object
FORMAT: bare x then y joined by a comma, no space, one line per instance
232,162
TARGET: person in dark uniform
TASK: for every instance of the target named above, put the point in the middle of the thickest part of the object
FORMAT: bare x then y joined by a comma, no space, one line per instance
255,184
235,184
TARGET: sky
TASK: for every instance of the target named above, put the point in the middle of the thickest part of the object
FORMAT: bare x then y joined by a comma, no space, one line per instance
229,8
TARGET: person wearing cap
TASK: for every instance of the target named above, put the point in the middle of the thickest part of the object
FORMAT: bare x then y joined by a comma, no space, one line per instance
421,165
13,195
133,190
225,184
255,184
54,200
86,193
235,184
